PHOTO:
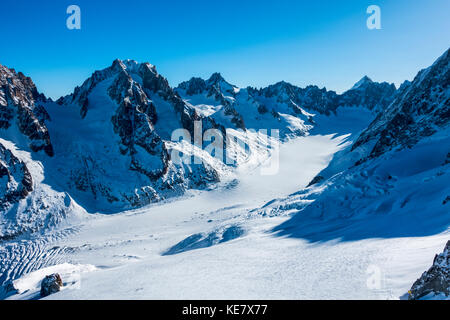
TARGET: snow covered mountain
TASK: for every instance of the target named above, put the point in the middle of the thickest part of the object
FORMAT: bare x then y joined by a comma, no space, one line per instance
123,117
393,181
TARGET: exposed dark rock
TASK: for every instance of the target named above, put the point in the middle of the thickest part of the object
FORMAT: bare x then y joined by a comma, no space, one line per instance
446,200
436,280
51,284
419,109
138,93
20,99
373,95
133,122
316,180
15,179
262,109
193,86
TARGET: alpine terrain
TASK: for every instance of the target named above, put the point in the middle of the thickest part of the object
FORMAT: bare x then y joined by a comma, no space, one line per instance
281,192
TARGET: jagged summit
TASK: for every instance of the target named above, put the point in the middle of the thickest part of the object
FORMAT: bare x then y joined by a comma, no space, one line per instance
216,78
21,109
215,84
361,83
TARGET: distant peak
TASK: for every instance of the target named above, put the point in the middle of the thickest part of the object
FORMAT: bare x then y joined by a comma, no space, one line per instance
283,83
216,77
363,81
118,63
131,65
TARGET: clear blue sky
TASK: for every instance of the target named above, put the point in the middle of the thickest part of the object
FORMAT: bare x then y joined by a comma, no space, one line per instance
251,42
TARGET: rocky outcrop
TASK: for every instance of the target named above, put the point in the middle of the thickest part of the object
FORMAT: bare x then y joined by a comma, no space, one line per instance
312,97
15,179
20,104
419,110
193,86
51,284
436,280
134,122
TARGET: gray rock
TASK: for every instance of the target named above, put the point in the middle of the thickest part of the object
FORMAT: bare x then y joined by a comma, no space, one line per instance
51,284
420,108
19,100
15,179
436,280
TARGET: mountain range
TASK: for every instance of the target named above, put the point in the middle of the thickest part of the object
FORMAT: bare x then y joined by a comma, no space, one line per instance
108,146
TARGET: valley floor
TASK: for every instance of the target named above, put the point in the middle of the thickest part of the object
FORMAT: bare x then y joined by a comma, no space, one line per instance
212,245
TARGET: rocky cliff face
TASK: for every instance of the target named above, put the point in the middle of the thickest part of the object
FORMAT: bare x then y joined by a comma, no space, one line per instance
311,98
15,179
21,107
436,280
110,136
420,109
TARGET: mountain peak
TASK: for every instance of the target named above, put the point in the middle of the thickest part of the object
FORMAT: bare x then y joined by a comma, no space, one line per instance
216,77
364,81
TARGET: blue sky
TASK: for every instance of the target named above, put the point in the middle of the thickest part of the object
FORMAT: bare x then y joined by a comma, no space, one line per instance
250,42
